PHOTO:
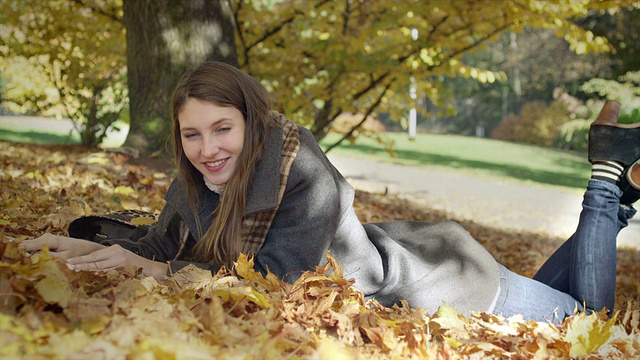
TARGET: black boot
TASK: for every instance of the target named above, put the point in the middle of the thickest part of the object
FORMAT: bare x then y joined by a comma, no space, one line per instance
610,141
630,184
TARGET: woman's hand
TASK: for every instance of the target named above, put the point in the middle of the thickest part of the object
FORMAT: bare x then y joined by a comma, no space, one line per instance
116,256
61,246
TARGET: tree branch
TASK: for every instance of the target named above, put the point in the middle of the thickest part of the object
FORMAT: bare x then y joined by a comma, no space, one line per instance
366,115
280,26
239,32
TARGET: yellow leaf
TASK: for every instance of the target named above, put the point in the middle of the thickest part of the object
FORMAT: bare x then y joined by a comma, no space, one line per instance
124,190
192,277
452,324
143,221
244,268
324,36
587,333
77,208
129,204
424,55
98,159
54,287
96,325
580,48
454,343
241,293
449,318
491,78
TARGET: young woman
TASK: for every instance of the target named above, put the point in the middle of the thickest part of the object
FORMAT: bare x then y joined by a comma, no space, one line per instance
250,181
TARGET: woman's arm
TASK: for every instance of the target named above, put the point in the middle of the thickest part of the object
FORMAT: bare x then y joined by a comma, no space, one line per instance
164,244
160,243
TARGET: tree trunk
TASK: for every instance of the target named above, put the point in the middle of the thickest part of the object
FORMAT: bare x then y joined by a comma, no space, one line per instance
164,38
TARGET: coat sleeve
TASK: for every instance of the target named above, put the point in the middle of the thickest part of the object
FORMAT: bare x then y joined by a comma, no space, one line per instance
308,217
161,243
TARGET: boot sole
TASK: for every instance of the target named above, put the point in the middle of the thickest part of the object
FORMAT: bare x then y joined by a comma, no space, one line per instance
622,143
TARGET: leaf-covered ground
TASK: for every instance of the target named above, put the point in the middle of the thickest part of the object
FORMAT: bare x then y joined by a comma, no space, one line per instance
48,311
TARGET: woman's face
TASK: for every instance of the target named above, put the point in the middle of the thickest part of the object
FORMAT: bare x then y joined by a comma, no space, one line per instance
212,138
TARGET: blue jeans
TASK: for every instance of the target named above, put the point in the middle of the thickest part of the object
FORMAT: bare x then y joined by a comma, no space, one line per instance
581,271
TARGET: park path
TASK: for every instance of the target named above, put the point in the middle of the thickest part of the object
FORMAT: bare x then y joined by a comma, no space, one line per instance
484,200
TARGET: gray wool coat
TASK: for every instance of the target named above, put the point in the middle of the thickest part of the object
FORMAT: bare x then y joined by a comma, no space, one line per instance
425,264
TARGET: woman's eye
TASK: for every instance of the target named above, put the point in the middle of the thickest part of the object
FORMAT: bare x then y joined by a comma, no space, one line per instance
189,135
224,128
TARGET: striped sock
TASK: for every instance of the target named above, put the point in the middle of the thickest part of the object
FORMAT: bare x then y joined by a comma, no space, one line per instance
606,170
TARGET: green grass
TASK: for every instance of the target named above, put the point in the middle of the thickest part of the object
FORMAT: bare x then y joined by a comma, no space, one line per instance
476,155
37,137
19,129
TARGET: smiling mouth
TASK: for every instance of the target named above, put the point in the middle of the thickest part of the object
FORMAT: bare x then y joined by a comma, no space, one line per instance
215,163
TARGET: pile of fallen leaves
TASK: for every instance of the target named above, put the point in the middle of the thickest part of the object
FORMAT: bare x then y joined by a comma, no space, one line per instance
50,311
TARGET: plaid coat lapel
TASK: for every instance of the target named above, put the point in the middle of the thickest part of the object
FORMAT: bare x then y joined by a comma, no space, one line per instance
255,226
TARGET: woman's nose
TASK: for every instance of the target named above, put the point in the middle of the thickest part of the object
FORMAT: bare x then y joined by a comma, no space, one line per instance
210,147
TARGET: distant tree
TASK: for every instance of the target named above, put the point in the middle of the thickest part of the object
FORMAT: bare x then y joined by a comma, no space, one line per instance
65,58
536,63
164,38
537,123
625,89
622,28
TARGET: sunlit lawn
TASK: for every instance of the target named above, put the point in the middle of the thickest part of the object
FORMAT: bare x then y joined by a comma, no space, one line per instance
478,155
37,137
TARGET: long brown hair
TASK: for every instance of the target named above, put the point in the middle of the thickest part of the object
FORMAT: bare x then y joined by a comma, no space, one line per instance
223,85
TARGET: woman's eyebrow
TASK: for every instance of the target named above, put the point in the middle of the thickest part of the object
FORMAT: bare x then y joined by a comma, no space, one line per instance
214,123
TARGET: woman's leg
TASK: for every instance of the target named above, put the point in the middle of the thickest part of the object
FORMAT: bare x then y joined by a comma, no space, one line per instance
585,265
532,299
582,270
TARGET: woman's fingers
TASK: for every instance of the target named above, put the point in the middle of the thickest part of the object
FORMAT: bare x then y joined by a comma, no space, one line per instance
61,246
51,241
107,258
115,256
93,266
